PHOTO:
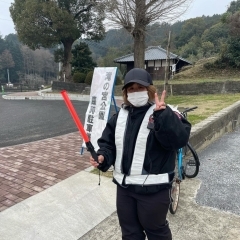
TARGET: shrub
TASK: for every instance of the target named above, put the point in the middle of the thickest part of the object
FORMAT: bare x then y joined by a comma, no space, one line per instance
88,79
79,77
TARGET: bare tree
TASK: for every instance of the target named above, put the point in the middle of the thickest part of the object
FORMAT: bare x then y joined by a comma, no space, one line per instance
38,64
7,60
136,15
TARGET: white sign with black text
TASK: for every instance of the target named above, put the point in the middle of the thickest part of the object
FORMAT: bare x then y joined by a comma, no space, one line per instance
101,94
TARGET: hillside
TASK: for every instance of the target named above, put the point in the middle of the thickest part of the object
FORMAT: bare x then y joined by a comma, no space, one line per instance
199,73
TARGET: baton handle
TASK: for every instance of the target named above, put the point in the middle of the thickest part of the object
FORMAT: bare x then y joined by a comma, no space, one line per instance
90,148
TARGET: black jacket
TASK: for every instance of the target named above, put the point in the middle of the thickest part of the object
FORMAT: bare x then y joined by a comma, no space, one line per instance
169,134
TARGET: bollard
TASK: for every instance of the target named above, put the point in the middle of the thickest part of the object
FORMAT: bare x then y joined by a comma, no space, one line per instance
2,89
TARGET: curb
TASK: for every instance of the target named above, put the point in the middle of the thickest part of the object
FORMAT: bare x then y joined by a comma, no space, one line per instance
212,128
48,96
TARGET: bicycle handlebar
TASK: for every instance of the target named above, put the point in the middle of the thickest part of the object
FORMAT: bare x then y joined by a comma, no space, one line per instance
189,109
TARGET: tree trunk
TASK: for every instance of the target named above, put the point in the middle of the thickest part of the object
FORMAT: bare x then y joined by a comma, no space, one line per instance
139,34
67,67
139,49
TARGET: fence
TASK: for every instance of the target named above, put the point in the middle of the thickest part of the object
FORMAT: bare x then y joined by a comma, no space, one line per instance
20,88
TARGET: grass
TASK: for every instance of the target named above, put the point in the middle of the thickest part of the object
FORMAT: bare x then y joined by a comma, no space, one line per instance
105,174
197,73
199,70
207,104
195,80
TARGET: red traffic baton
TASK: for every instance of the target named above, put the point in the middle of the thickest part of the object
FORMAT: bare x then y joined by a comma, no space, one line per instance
76,119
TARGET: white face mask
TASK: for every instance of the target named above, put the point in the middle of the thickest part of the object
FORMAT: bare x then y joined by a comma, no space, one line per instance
138,99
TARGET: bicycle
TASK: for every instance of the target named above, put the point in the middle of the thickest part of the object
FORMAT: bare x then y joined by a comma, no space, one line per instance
187,166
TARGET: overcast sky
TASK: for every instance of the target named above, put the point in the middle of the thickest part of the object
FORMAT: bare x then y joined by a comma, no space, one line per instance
196,9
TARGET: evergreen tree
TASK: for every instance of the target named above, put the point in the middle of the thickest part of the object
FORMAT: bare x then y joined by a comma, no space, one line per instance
2,43
234,7
13,46
230,53
82,61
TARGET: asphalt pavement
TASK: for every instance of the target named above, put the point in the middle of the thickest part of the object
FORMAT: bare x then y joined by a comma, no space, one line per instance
47,192
220,174
27,120
24,121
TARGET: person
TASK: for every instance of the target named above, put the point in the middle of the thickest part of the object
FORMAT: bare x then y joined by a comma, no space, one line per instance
141,142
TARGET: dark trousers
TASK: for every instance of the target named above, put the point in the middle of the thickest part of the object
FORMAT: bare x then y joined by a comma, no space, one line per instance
140,215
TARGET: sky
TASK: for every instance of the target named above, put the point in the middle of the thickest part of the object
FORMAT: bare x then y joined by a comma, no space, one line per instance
196,9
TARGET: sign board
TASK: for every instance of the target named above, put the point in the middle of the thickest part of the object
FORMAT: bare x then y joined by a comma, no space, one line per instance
101,95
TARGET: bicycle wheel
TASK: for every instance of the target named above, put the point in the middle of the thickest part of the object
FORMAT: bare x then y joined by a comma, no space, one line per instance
190,162
175,192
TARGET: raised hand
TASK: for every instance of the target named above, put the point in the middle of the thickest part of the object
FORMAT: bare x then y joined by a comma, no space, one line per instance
160,105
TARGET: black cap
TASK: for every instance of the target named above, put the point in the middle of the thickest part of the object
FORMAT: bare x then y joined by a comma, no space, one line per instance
138,75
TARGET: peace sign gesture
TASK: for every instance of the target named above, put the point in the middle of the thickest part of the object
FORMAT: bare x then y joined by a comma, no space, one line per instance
160,105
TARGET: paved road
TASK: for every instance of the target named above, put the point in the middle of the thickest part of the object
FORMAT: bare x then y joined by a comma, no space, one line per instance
25,121
220,174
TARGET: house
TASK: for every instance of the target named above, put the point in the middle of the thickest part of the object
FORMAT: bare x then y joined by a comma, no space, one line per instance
155,62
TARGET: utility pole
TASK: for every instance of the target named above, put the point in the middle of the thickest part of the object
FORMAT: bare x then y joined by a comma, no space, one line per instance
59,70
59,67
8,75
167,67
64,76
